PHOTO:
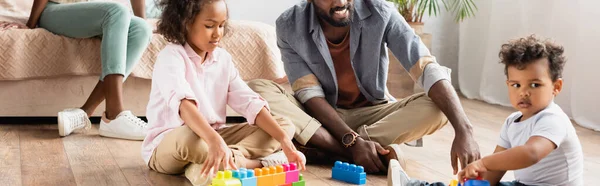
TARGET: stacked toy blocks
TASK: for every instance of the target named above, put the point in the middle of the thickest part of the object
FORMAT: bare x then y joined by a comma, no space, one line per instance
477,182
245,176
300,182
281,175
292,173
225,179
349,173
263,177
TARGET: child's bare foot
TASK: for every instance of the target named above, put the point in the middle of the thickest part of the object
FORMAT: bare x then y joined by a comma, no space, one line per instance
247,163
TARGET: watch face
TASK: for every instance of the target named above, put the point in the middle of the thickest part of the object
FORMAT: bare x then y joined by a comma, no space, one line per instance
347,139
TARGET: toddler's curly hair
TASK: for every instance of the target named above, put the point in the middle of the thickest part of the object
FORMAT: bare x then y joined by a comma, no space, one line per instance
523,51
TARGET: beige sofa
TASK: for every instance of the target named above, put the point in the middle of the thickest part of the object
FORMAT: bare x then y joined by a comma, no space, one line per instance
42,73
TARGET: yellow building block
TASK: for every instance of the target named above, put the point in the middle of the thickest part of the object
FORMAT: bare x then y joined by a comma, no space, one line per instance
454,183
225,179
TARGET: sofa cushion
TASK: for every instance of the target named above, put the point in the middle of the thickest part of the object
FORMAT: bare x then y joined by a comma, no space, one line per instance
37,53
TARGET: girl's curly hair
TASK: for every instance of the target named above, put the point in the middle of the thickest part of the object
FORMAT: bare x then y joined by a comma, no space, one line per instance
176,16
523,51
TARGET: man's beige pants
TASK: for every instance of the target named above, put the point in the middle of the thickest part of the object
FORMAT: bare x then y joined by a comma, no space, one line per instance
182,146
406,120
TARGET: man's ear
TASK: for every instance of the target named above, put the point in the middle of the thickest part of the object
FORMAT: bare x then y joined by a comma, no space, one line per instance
558,84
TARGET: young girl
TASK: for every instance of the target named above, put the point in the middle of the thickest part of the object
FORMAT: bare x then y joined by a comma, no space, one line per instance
124,39
193,81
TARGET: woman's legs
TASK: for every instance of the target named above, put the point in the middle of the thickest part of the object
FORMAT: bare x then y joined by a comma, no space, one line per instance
124,39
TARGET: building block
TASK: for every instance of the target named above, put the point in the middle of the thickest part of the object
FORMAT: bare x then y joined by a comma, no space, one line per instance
300,181
453,182
279,176
349,173
292,175
245,176
225,179
263,177
476,183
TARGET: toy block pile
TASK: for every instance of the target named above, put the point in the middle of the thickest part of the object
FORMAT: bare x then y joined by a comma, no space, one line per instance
281,175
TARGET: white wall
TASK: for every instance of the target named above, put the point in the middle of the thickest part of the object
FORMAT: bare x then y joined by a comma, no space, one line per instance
265,11
444,44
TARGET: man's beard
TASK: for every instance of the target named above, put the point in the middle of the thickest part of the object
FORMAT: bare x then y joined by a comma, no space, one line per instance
328,17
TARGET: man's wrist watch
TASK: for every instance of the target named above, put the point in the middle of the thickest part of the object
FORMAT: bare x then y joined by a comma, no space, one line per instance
349,139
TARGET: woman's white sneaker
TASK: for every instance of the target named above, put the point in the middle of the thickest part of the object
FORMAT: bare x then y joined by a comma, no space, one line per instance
72,119
124,126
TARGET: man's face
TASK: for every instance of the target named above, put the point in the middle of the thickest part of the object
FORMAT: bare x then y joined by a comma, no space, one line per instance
337,13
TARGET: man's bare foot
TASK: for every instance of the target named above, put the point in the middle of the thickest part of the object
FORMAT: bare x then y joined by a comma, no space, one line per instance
395,153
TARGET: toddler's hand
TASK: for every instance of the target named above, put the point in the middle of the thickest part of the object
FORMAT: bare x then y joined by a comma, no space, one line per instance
472,171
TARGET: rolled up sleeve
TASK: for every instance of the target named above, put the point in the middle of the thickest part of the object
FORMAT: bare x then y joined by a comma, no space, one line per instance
304,83
432,74
412,53
242,99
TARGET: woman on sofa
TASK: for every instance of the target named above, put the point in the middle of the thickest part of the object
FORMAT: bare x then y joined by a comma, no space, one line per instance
124,39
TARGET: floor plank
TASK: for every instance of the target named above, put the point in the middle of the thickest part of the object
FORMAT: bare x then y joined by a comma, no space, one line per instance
35,155
43,158
10,158
127,155
91,161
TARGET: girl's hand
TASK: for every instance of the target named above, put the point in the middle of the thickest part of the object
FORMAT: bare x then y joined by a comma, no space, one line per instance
292,154
473,170
4,25
218,153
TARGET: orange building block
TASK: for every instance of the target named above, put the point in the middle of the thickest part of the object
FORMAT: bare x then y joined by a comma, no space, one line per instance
263,177
279,176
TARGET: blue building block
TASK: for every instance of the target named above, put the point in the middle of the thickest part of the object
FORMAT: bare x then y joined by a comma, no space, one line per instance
476,183
245,176
349,173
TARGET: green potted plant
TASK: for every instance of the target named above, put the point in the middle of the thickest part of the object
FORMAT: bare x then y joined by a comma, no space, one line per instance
413,11
400,82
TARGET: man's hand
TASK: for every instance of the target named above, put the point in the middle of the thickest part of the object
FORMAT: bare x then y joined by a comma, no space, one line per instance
366,153
465,149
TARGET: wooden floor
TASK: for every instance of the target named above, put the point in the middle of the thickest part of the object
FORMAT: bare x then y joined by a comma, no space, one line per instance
36,155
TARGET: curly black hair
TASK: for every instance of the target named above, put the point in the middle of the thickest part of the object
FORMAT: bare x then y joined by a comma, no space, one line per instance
176,15
523,51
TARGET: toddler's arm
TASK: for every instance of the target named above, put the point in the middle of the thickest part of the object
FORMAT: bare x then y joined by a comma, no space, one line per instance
495,176
534,150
